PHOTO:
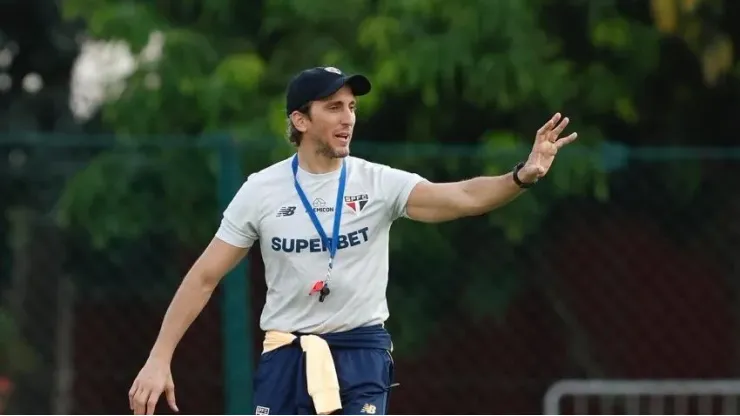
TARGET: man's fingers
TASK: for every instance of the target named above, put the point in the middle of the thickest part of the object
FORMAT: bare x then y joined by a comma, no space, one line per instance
140,399
566,140
554,120
549,125
131,393
151,404
170,393
559,128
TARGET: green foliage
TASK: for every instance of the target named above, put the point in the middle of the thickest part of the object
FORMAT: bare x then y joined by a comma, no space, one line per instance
505,64
16,357
127,195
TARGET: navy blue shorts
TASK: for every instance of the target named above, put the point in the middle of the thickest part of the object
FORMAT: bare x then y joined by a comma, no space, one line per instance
365,376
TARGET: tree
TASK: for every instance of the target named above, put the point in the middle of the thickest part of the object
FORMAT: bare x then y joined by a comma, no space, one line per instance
485,73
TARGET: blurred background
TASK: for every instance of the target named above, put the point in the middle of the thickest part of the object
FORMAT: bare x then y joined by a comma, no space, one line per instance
126,126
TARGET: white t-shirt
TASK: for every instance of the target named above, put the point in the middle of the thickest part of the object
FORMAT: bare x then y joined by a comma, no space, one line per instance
268,208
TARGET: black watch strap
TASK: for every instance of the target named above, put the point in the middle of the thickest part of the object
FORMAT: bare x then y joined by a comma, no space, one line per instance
518,181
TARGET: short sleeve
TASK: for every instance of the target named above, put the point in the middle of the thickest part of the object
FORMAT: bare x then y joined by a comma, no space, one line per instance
396,186
239,225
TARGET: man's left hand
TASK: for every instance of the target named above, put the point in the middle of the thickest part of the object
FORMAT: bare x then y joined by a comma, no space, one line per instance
546,146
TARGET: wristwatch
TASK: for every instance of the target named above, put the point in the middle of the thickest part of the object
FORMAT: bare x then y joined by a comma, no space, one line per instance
518,181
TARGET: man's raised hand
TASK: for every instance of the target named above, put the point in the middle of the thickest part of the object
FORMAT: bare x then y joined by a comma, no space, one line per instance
547,142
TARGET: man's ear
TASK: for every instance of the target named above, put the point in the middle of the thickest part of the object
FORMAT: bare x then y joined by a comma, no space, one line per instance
300,121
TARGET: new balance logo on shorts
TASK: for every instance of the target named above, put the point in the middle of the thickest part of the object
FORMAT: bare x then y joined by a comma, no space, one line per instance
286,211
368,409
261,410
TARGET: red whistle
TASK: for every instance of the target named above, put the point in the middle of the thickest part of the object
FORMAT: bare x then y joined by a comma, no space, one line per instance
317,287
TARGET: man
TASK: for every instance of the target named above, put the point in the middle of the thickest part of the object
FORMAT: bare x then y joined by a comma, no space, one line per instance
324,218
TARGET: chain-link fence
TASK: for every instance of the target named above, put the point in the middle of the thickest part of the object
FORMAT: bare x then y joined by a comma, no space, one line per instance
619,265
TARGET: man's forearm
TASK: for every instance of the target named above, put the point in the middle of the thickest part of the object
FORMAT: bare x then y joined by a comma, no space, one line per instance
487,193
189,300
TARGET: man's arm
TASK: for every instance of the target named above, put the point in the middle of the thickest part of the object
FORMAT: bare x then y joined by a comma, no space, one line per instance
237,232
194,292
438,202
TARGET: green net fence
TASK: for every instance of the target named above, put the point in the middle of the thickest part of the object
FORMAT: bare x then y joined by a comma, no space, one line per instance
622,264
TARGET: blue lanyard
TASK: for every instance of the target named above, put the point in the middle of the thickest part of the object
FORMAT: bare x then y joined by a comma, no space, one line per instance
333,242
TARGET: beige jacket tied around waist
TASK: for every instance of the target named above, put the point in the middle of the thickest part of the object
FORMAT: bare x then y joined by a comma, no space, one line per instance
321,375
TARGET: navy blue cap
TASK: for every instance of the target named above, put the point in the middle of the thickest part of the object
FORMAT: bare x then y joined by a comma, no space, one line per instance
317,83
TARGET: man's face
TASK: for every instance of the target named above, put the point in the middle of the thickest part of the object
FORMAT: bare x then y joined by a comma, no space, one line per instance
331,124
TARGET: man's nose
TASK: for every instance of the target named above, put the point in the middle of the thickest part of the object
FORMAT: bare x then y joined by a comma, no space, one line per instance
348,117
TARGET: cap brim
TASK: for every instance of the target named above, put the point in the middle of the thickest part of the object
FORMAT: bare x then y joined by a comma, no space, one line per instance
359,84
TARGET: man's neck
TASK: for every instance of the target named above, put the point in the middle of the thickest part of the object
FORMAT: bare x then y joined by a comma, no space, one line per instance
313,162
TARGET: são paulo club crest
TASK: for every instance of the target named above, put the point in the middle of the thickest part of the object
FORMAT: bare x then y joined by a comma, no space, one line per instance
356,203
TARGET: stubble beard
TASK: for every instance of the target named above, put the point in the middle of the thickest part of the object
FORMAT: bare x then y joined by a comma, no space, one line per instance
325,149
